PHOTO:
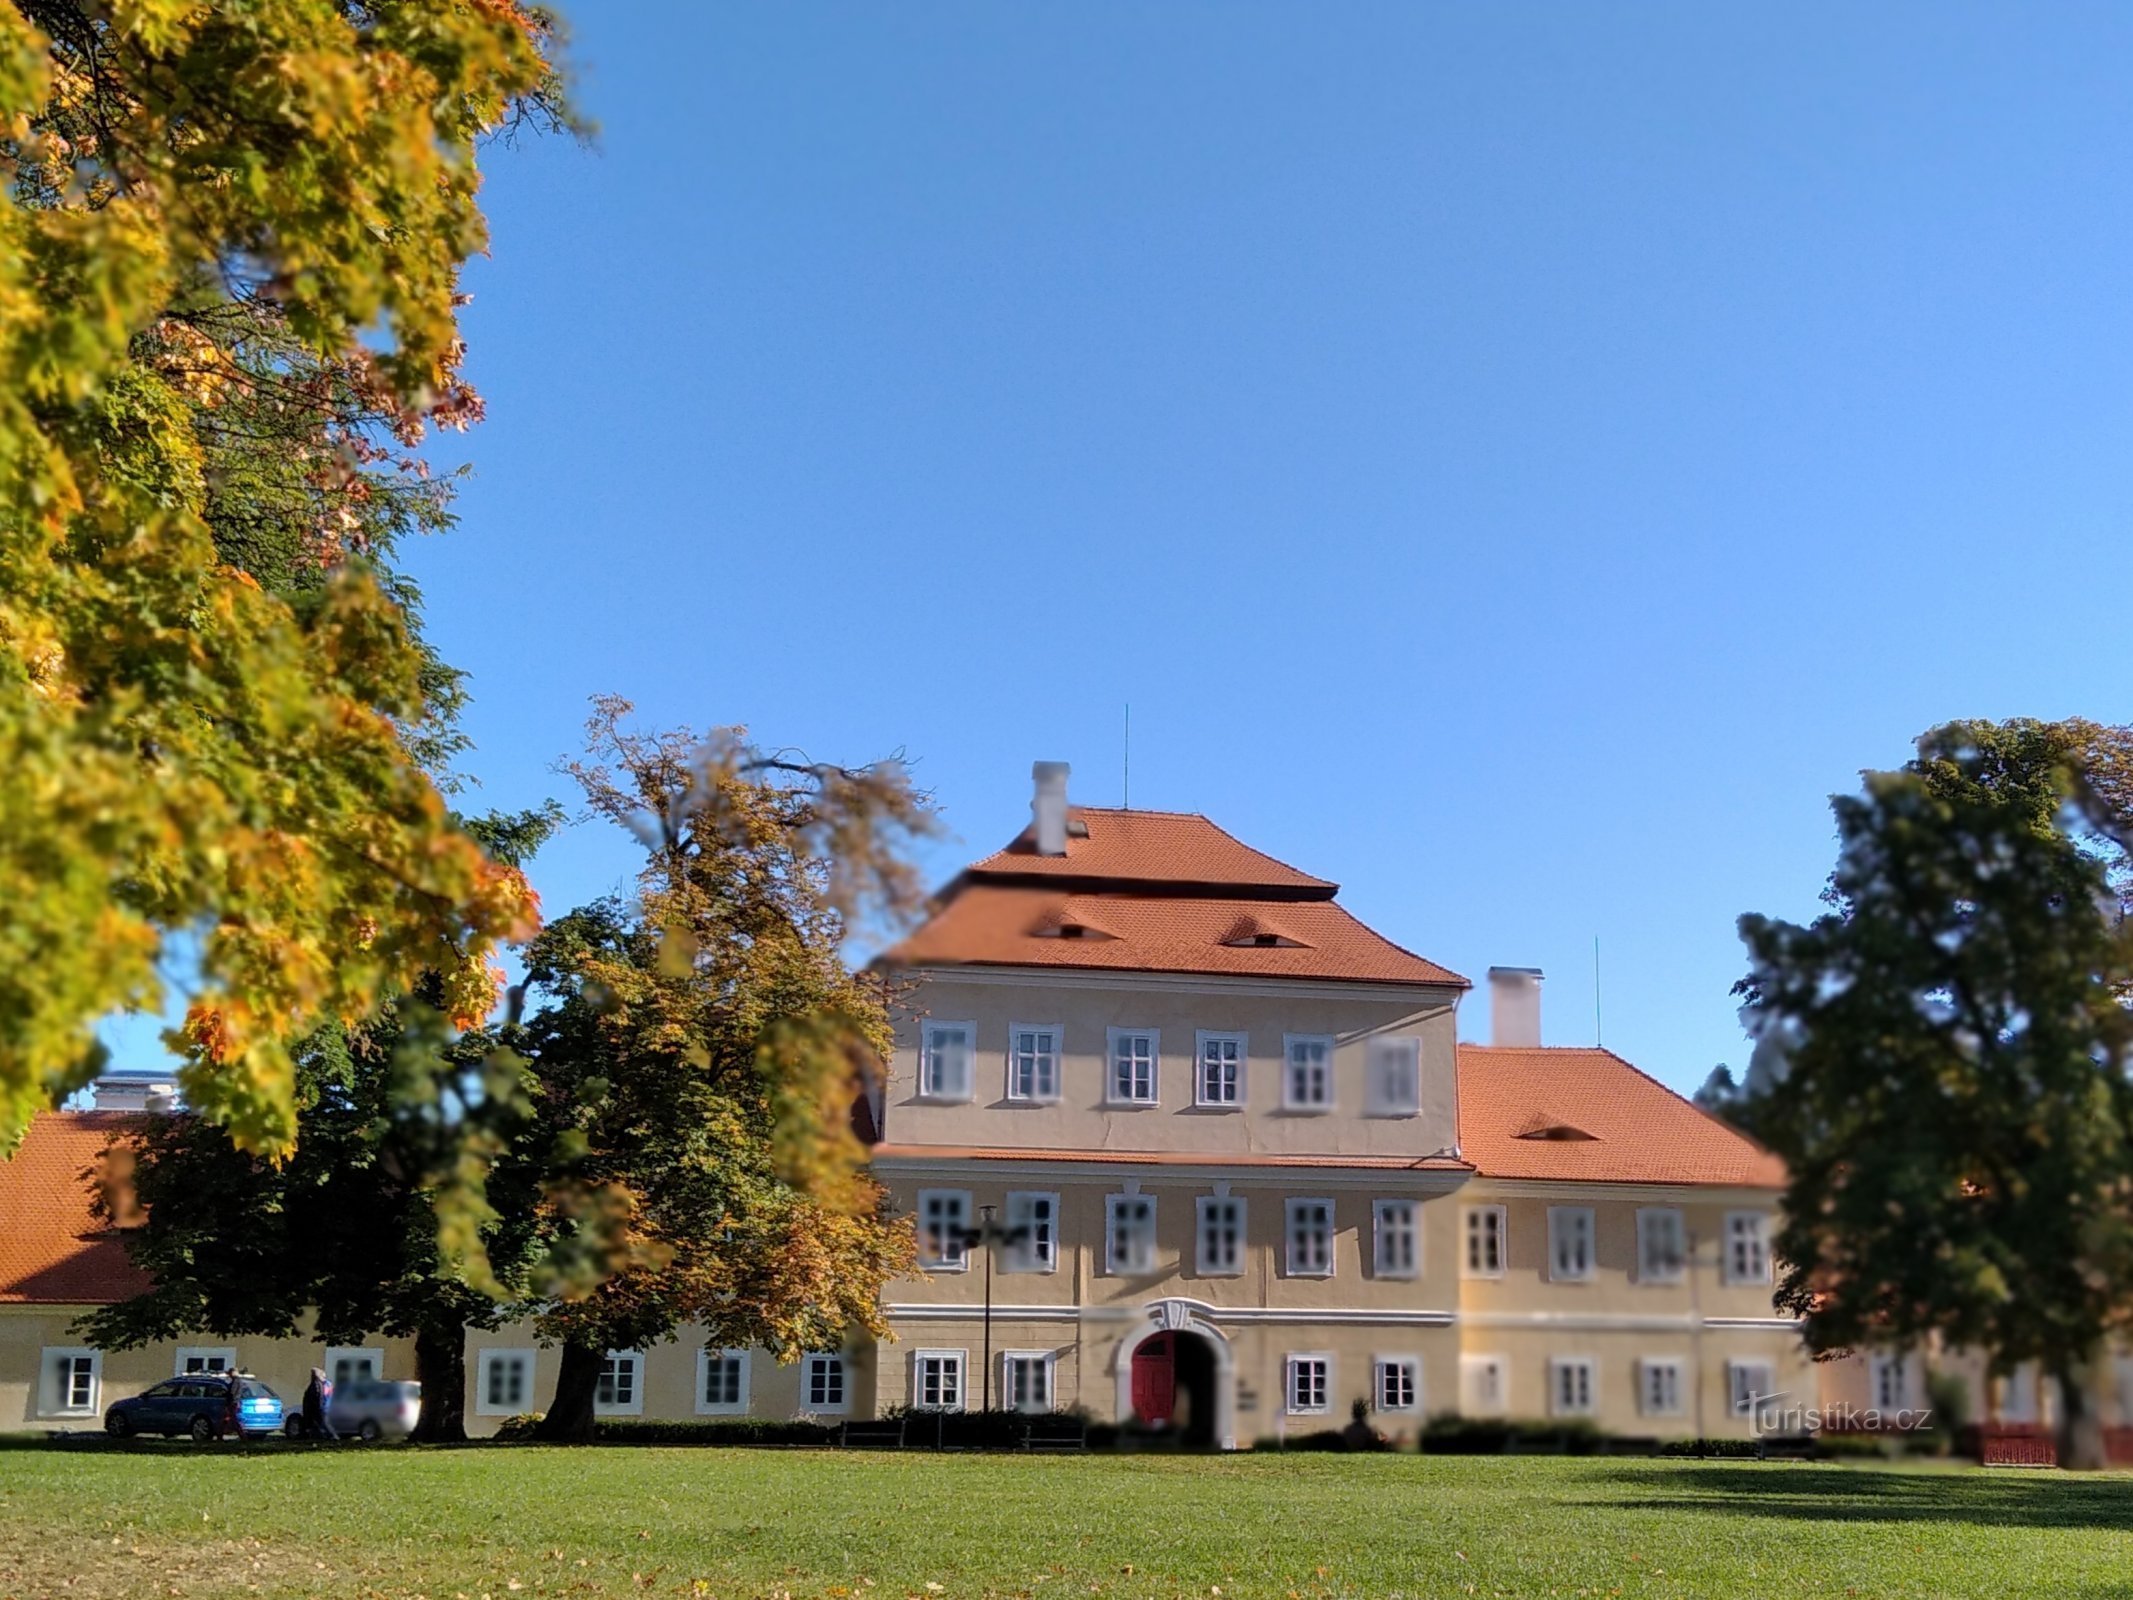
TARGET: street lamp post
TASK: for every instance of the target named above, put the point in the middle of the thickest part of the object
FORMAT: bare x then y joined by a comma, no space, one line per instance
985,1236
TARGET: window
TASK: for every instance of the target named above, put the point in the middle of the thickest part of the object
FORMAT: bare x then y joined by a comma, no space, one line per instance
1569,1243
943,1229
1310,1385
1218,1079
1395,1071
350,1364
207,1358
1484,1241
1310,1238
1659,1388
1133,1054
944,1053
1129,1233
1307,1078
619,1389
1032,1062
1662,1245
1399,1383
1038,1248
822,1386
1396,1249
1570,1387
1220,1253
1483,1382
73,1376
721,1382
504,1382
1747,1247
1889,1380
1026,1380
937,1379
2019,1399
1746,1383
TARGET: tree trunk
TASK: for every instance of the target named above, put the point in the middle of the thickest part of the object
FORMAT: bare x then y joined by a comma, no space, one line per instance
570,1413
441,1364
2080,1441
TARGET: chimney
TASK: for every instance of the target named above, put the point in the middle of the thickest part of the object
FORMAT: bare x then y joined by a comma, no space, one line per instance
1049,806
1515,1007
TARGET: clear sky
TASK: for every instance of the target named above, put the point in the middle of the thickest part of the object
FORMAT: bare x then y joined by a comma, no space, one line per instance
1515,460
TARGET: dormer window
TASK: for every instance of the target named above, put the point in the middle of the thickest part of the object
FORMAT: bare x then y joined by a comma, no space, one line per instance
1259,932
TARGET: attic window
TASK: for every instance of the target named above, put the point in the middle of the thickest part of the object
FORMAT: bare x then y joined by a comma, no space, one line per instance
1072,930
1558,1133
1260,933
1077,829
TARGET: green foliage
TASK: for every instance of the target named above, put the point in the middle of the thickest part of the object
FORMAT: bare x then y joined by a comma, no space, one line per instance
1954,1104
228,300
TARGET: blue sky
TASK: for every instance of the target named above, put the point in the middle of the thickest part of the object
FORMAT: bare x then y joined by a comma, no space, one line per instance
1516,460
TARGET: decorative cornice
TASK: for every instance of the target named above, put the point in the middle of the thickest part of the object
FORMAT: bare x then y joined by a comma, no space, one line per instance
1340,1316
1432,997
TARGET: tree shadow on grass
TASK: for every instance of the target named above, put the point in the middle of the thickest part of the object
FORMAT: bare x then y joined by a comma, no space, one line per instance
1863,1494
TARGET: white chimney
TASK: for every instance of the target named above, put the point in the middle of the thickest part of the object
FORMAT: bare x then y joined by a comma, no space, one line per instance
1049,806
1515,1007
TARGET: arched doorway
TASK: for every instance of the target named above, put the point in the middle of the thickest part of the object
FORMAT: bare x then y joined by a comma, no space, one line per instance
1175,1384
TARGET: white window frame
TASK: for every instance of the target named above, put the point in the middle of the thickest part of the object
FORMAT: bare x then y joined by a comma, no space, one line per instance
1200,1097
1761,1379
1290,1043
1479,1374
1393,1070
1380,1234
927,1260
842,1405
1203,1263
1291,1210
1470,1233
957,1361
204,1353
1029,1256
1039,1094
1583,1404
338,1353
1652,1222
931,1086
1668,1404
2022,1394
1878,1369
1113,1037
1113,1262
706,1407
484,1360
1046,1361
1289,1369
1566,1224
633,1361
1384,1367
55,1394
1757,1235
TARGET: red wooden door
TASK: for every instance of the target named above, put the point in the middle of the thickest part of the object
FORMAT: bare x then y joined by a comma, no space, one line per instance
1155,1379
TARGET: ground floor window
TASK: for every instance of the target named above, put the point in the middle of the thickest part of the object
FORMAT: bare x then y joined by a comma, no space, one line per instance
1482,1383
722,1386
71,1379
822,1383
938,1375
1310,1383
1748,1382
503,1382
1570,1387
349,1365
620,1386
1399,1383
194,1358
1026,1380
1659,1388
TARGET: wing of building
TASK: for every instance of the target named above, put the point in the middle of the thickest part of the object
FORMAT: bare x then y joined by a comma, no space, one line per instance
1182,1140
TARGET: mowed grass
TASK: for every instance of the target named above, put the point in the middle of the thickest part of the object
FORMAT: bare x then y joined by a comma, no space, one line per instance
513,1523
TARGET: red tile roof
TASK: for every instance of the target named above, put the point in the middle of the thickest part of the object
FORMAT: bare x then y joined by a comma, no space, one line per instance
1639,1130
987,926
52,1251
1151,849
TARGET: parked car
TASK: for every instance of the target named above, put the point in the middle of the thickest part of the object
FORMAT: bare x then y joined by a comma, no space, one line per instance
206,1405
368,1408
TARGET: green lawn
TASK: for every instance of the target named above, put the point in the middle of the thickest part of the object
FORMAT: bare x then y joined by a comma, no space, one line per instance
524,1521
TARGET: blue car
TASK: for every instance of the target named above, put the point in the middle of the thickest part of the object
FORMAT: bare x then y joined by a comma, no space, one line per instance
205,1405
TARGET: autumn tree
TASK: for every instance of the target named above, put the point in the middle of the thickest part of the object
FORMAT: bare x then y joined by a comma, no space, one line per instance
229,280
413,1206
701,1044
1953,1100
